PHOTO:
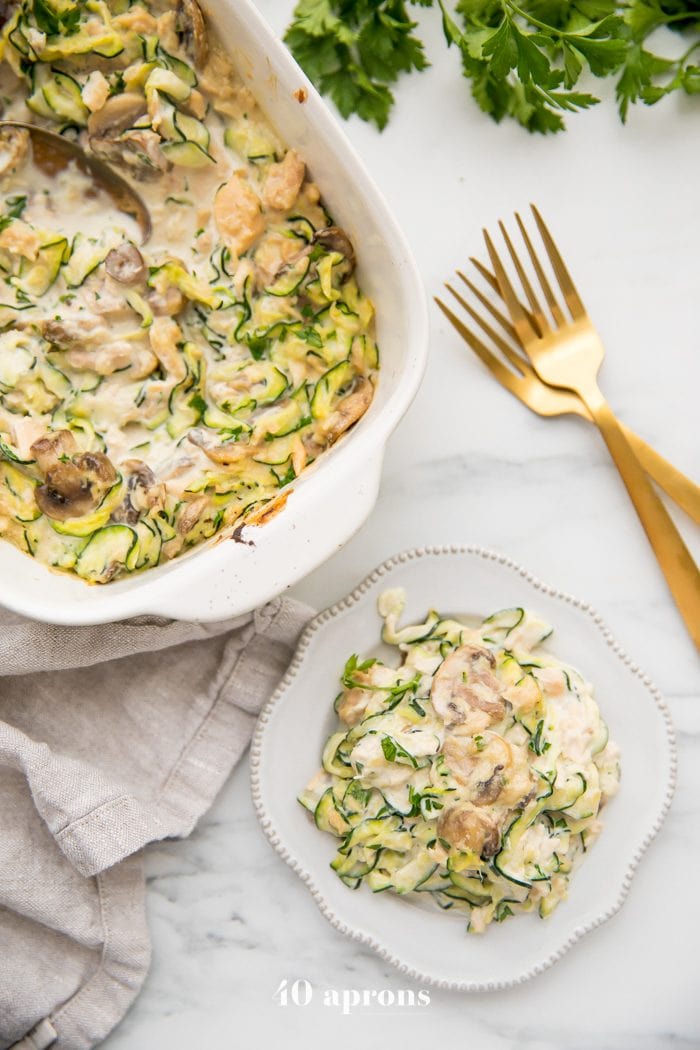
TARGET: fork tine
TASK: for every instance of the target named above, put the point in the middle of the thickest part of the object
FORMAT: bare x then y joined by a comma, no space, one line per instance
538,315
512,355
554,306
573,300
486,274
493,283
496,314
528,388
521,321
504,375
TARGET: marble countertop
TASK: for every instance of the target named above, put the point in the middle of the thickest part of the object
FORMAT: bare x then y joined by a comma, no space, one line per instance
230,921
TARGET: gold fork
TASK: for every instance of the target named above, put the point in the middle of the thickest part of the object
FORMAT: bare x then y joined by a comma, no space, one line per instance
568,354
523,382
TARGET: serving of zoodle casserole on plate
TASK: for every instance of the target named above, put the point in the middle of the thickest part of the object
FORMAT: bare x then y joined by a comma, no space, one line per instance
473,773
153,395
487,796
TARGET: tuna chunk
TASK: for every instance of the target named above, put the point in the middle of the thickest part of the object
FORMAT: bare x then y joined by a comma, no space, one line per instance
283,182
238,214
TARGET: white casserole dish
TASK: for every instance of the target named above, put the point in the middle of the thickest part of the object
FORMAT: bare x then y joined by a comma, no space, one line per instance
332,500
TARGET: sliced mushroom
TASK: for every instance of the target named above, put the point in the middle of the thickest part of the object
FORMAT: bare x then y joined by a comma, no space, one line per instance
97,468
193,31
118,113
465,684
348,410
75,487
190,515
467,828
14,144
66,334
141,492
335,239
487,791
65,493
233,452
125,264
138,150
50,450
499,772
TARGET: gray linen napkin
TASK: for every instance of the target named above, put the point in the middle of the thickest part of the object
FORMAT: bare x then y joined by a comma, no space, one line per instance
111,737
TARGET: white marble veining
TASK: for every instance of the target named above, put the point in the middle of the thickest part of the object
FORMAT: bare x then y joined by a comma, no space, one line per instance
468,464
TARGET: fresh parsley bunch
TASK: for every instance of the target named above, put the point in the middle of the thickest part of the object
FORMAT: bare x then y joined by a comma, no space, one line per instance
523,59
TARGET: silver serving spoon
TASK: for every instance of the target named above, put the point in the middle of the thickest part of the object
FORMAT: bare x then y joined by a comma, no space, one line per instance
52,153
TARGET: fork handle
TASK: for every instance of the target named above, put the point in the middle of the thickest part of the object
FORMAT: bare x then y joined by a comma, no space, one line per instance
684,492
673,556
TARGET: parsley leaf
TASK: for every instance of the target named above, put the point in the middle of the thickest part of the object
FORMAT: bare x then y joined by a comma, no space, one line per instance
54,22
286,478
354,49
47,21
198,403
423,804
352,665
310,336
394,752
522,58
14,206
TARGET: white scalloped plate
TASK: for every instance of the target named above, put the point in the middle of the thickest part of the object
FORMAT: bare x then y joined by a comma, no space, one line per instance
426,944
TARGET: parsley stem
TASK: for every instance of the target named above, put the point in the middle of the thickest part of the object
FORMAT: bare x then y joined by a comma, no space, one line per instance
665,20
688,53
534,21
680,16
546,27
